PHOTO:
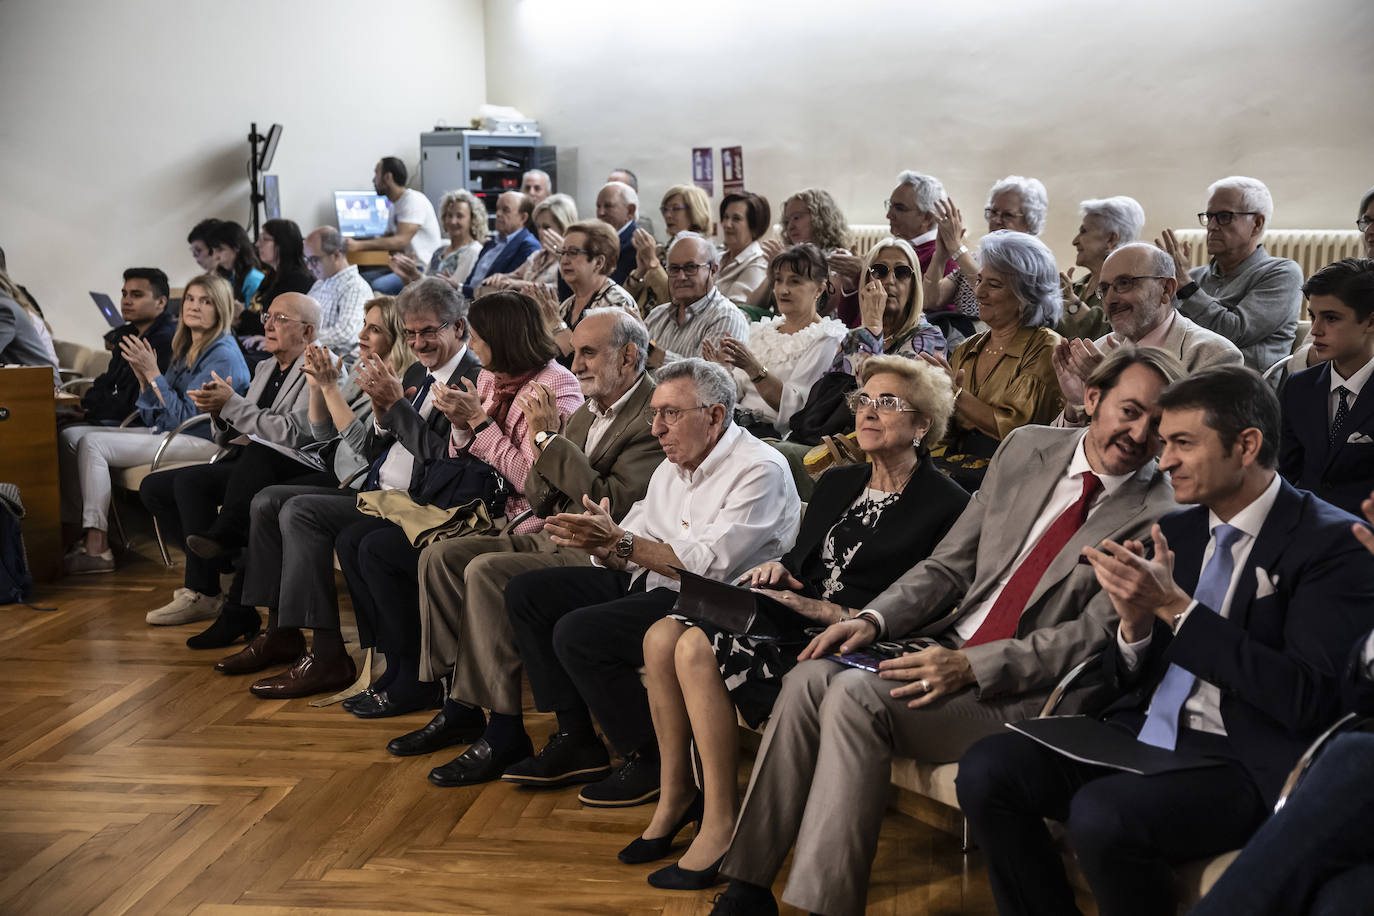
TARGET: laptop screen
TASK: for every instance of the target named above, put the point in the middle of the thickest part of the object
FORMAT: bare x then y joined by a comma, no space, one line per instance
271,197
362,214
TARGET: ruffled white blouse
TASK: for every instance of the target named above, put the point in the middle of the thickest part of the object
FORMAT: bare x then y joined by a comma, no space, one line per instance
796,360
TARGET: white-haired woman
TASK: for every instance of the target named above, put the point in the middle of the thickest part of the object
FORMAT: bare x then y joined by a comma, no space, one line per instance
464,218
1017,203
1004,377
1105,225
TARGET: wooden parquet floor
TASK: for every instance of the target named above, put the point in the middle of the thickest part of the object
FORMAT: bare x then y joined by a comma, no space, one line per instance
134,779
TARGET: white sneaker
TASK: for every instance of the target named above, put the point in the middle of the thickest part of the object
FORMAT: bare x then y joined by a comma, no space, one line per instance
186,606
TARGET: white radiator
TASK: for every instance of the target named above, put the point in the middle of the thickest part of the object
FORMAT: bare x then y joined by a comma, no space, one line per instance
1313,249
864,237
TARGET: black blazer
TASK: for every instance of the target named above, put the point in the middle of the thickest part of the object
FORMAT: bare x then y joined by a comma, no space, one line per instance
427,440
1341,473
1278,659
112,395
905,535
625,265
1358,687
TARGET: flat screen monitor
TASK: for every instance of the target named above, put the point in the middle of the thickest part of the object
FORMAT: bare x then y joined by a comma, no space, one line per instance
269,147
271,197
362,214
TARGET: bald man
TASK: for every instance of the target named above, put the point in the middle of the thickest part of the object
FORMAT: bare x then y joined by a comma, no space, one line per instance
618,204
341,293
536,185
697,310
510,245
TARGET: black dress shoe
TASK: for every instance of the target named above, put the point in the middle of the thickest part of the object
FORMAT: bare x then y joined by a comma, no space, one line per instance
676,878
740,898
651,850
383,704
229,627
357,698
565,760
634,782
478,764
441,732
206,548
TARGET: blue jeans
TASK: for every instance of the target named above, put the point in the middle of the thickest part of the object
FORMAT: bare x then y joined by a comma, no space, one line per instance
388,284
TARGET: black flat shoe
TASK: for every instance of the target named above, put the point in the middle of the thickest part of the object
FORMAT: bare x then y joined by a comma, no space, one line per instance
676,878
227,630
383,704
441,732
478,764
651,850
357,698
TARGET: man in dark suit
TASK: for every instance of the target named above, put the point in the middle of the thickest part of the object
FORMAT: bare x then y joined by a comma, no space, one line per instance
290,566
1229,652
607,450
1327,444
509,246
618,204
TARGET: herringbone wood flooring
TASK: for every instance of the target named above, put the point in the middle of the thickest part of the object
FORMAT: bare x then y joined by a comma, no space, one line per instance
134,779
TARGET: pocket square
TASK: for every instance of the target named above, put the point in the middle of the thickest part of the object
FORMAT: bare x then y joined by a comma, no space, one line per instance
1264,584
1360,439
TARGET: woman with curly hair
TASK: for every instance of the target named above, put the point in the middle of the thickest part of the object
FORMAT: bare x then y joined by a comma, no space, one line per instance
810,215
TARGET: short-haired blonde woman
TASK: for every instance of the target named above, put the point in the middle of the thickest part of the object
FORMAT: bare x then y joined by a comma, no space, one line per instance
202,346
865,525
685,208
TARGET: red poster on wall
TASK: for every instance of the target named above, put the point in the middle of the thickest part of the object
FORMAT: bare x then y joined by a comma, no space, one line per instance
703,169
732,169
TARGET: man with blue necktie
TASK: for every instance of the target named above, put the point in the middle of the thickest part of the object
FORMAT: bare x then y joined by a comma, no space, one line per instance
1233,636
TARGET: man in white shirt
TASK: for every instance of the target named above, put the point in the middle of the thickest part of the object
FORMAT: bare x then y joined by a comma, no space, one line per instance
721,503
1234,632
341,292
412,228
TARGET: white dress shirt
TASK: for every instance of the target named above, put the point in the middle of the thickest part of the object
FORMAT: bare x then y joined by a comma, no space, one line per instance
1353,385
602,420
738,509
923,238
1202,710
399,464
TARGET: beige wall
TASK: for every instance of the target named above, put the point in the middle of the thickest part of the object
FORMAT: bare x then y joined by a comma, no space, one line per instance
124,122
1154,99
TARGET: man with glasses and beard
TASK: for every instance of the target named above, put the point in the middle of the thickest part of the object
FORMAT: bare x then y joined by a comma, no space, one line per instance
697,311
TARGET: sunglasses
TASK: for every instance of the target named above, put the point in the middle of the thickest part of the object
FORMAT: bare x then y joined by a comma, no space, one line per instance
901,272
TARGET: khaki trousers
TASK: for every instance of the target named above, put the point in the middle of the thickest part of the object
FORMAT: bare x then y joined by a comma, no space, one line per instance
463,622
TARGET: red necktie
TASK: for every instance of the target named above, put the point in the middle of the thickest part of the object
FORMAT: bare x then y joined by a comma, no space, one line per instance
1006,611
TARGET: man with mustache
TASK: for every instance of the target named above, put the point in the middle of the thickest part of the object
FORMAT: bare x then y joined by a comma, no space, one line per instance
1006,609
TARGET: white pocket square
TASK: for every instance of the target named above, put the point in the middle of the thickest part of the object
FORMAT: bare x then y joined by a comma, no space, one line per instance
1264,583
1360,439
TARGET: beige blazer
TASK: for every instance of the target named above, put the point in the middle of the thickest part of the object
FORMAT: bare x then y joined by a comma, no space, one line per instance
1068,617
1195,346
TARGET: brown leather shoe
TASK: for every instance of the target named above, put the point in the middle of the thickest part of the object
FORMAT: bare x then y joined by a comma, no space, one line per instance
279,647
306,677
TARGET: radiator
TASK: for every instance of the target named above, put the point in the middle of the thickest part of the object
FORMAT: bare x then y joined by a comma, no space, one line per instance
1313,249
864,237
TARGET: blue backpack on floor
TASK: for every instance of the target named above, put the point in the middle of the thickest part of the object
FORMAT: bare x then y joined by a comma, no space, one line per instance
16,584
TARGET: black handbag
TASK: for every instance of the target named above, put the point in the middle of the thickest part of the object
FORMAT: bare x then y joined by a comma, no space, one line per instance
825,412
459,479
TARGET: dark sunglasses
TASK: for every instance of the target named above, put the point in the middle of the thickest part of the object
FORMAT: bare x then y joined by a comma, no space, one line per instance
901,272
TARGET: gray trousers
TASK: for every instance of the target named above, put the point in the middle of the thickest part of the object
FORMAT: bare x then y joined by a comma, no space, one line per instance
463,621
290,562
823,774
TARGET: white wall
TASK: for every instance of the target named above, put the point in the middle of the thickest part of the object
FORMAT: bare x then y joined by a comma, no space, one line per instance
123,122
1152,99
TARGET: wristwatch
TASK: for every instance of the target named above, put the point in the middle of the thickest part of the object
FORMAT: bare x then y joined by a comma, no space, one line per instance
1186,290
543,436
625,546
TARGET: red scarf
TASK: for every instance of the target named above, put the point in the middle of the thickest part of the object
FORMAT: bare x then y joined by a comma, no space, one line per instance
504,392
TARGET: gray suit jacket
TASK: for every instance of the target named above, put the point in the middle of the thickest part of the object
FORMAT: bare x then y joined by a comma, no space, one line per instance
1068,617
1192,345
285,423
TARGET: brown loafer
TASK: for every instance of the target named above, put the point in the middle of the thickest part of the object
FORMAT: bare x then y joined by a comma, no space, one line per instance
279,647
308,676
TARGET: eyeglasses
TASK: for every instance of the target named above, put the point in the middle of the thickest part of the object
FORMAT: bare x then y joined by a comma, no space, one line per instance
671,415
1005,216
313,260
667,210
900,272
685,270
887,403
1223,217
276,318
1363,223
891,204
427,334
571,252
1123,285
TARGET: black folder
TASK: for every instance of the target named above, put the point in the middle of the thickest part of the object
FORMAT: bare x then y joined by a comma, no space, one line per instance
1093,741
736,608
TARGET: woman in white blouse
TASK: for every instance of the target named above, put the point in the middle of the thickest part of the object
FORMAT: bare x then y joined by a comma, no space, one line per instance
744,218
787,353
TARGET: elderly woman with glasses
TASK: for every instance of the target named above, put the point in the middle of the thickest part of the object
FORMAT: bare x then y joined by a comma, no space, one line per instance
1004,377
865,525
585,261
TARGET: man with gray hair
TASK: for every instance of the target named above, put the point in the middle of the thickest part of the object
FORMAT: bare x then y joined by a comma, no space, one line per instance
605,451
536,185
697,310
722,503
618,204
339,289
1243,293
1104,226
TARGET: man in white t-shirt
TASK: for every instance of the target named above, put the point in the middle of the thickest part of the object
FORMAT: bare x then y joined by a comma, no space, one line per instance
412,229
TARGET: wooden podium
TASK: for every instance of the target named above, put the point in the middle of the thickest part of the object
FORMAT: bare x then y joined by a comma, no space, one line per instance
28,459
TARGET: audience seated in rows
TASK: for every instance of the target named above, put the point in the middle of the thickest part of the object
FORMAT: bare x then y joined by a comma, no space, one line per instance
281,250
744,218
1104,226
864,525
618,205
991,620
509,246
536,185
586,258
685,208
464,218
236,259
810,215
263,430
202,351
412,228
697,310
143,305
721,504
1233,634
340,291
604,454
784,356
552,217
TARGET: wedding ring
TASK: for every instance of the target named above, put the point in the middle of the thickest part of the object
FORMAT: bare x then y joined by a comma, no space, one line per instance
925,685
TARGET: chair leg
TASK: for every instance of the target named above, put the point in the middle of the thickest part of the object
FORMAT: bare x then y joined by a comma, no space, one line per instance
161,545
966,844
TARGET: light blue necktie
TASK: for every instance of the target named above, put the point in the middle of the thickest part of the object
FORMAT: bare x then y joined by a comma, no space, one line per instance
1161,724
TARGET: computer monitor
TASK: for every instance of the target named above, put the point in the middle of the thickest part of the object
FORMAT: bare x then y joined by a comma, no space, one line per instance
362,214
269,147
271,197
